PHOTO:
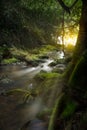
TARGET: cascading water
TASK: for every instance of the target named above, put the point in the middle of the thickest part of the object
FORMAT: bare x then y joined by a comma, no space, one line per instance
21,77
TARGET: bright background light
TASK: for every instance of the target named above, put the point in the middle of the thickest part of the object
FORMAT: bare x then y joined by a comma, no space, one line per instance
69,39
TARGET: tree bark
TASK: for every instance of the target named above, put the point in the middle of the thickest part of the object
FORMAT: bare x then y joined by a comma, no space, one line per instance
81,44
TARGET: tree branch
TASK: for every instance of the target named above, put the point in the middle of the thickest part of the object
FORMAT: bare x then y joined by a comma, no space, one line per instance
65,7
73,4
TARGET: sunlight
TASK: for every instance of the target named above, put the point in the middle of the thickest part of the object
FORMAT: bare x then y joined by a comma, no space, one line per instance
68,40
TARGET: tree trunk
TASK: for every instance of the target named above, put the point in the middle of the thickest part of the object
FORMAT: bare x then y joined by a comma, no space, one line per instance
75,95
81,45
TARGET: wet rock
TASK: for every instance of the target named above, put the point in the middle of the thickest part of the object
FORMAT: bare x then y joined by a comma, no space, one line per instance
44,57
58,70
6,81
52,64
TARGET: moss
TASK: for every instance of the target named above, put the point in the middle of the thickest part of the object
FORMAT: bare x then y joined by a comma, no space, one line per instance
55,112
79,73
27,95
46,84
64,110
10,60
16,91
45,75
69,110
78,79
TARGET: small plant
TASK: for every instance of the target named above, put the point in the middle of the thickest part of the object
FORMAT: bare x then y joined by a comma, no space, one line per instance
28,95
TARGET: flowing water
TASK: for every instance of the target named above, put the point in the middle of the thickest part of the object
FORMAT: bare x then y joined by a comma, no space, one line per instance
21,76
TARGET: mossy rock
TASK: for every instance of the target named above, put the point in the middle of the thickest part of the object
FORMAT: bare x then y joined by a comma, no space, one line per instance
52,64
43,75
58,70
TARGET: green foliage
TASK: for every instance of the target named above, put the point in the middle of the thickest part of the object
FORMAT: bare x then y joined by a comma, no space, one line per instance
34,54
30,23
27,95
9,61
29,17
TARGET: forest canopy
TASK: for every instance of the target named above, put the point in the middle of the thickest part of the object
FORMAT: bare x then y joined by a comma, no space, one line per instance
40,20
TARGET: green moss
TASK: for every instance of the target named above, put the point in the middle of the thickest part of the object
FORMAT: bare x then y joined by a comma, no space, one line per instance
10,60
46,83
32,54
13,91
69,110
55,112
27,95
77,73
45,75
49,75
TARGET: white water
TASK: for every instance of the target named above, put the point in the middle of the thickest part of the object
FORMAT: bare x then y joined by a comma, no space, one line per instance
34,70
60,54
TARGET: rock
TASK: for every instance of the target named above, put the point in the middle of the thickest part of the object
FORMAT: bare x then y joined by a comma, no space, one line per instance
44,57
52,64
5,80
58,70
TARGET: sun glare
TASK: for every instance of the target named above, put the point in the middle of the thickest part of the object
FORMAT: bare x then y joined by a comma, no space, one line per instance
68,40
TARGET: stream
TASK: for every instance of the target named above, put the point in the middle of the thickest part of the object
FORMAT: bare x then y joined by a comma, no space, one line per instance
21,76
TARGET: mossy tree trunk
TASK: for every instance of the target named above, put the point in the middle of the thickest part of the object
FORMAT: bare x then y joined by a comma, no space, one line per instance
77,78
81,44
